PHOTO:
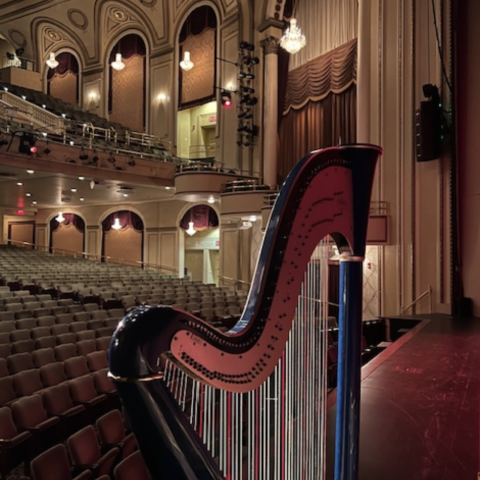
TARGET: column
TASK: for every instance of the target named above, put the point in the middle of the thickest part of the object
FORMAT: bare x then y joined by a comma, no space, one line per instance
2,240
270,110
363,72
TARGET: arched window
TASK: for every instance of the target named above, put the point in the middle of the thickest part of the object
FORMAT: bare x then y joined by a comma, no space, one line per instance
123,237
198,38
62,81
127,86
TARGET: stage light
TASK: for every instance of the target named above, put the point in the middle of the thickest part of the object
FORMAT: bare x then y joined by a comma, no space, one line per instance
83,155
27,144
226,97
246,75
247,46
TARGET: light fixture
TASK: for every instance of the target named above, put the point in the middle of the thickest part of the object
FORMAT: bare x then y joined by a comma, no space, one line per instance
34,202
19,184
116,224
118,63
60,218
211,199
81,199
81,178
51,62
252,218
161,97
73,190
186,64
190,230
30,172
293,39
28,194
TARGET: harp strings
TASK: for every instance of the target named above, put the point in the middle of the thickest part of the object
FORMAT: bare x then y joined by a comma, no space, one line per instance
277,431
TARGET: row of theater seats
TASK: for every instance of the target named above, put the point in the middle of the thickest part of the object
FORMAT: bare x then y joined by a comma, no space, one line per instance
112,135
92,451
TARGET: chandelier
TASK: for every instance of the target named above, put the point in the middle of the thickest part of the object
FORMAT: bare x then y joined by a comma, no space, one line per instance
186,64
60,218
118,63
190,230
51,61
293,39
116,224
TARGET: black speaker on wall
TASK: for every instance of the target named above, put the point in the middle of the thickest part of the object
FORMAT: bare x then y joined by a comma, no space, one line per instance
429,124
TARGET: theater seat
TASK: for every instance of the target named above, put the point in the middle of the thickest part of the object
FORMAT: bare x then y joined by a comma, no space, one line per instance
30,415
53,465
132,468
111,432
85,452
19,362
14,446
64,352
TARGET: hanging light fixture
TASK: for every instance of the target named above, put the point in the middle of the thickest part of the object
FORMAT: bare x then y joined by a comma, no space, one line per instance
191,230
118,63
60,218
116,224
51,61
186,64
293,39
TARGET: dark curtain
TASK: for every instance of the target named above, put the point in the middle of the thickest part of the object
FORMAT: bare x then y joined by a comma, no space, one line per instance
320,106
67,63
126,218
202,216
70,218
317,125
200,19
128,46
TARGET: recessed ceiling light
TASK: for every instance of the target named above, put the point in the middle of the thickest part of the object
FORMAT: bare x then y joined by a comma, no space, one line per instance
19,184
167,188
34,202
28,194
81,178
30,172
72,143
125,194
73,190
81,199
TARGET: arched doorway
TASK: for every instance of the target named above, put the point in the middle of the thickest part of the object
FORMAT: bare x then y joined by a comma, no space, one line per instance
68,234
202,244
122,239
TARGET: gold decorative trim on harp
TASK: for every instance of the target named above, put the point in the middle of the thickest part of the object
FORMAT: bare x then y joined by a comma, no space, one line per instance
221,390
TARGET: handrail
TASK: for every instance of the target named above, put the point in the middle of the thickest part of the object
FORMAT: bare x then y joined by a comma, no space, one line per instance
93,256
235,281
426,292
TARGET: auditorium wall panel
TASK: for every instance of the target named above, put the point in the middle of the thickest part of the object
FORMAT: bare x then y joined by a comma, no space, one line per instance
169,250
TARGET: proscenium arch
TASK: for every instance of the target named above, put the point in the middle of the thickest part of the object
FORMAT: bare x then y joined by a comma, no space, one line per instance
106,77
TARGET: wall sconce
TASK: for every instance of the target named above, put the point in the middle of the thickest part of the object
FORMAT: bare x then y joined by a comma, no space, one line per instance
118,63
94,99
51,62
60,218
161,97
186,64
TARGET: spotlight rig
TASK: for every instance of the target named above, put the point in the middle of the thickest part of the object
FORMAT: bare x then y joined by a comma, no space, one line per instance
246,131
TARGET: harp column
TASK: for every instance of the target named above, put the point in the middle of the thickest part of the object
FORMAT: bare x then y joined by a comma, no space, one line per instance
270,110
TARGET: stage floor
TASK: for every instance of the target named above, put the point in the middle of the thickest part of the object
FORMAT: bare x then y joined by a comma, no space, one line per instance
420,405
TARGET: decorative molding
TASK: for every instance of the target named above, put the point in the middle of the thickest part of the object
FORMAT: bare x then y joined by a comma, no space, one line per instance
77,18
149,3
271,22
270,45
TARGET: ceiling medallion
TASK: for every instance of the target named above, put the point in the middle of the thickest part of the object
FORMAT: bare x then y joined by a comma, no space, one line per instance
119,15
78,18
17,38
53,35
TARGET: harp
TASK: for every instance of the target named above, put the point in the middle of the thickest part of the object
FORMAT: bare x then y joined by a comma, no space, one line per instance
250,403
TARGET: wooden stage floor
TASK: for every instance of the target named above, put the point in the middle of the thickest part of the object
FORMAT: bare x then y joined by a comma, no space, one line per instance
420,405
